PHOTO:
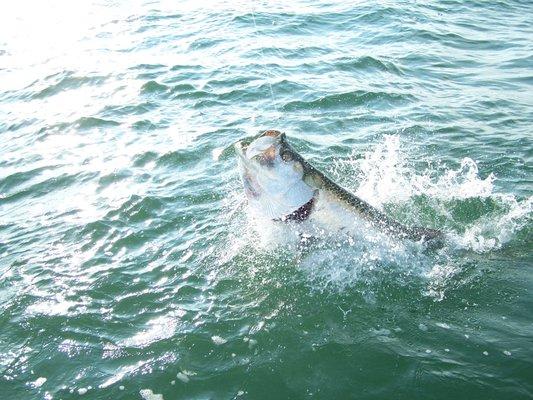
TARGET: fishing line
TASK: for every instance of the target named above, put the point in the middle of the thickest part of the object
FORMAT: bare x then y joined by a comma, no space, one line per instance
267,73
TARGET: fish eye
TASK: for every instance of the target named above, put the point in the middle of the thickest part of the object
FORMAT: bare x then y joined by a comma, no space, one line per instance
286,156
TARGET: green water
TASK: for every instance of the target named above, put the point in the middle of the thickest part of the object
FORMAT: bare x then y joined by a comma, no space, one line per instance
130,262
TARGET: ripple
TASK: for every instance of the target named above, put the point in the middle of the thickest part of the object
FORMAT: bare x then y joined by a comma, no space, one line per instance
348,100
231,82
367,63
144,125
94,122
457,41
137,208
143,67
140,160
157,329
49,185
203,43
154,87
297,53
130,109
185,67
67,82
13,180
182,88
129,259
197,94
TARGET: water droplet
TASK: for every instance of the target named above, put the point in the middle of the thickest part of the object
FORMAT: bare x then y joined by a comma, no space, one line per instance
218,340
216,153
147,394
182,377
38,382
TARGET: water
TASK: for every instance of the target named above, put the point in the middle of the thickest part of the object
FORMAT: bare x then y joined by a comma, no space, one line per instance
130,266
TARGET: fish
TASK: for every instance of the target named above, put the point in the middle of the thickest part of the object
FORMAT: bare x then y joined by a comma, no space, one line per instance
280,185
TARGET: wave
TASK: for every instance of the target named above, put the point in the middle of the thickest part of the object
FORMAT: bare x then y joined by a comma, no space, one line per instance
93,122
67,81
347,100
366,63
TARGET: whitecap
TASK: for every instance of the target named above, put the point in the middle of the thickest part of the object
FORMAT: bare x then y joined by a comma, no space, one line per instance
148,394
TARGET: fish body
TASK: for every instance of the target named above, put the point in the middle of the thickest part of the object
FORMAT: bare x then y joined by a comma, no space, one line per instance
281,185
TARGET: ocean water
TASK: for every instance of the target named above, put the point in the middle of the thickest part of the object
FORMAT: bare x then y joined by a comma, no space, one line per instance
131,267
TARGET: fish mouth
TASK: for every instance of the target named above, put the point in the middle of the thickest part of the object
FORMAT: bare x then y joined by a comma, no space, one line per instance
242,145
263,146
275,188
253,159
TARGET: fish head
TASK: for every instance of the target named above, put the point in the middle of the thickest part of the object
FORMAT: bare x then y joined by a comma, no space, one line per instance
273,175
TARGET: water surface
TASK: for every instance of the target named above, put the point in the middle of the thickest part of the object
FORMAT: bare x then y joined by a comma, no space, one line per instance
129,261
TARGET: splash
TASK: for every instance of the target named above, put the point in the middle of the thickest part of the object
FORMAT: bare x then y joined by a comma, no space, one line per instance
490,233
386,176
148,394
337,265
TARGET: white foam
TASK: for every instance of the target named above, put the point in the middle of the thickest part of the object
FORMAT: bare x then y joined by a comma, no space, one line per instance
38,382
385,176
492,232
439,275
218,340
182,377
148,394
158,329
215,153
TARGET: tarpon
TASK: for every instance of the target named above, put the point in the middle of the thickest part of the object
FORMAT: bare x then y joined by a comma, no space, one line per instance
280,185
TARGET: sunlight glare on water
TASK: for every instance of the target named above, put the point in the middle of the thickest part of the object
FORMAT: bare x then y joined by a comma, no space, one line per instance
131,266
